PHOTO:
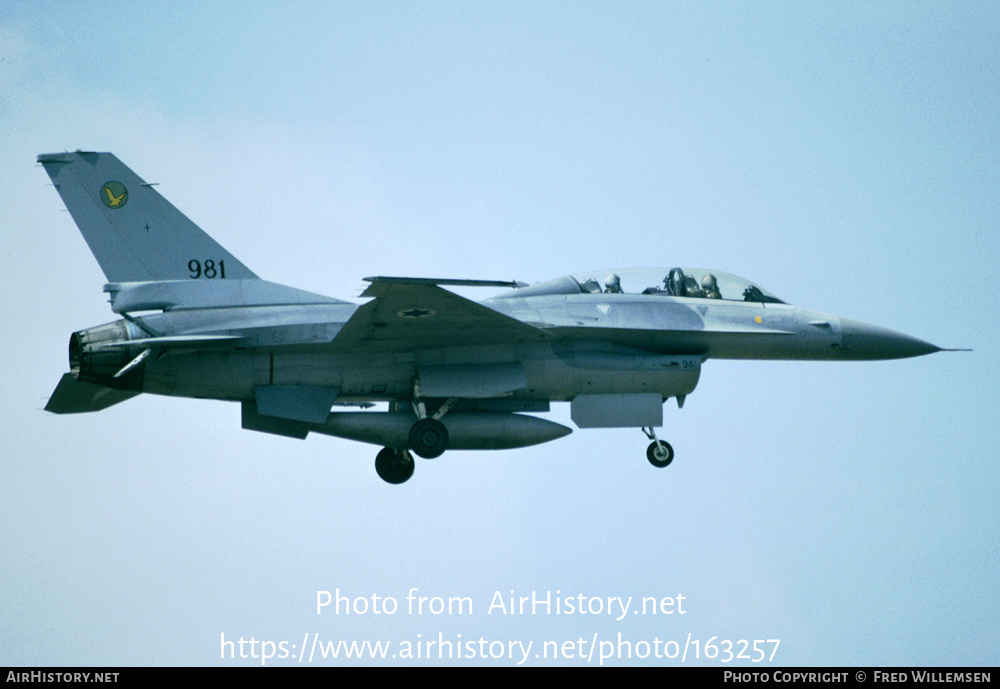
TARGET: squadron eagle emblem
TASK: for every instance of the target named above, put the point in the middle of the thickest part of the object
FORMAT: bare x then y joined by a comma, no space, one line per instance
114,194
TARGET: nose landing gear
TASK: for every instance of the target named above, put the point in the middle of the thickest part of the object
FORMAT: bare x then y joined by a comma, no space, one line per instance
659,453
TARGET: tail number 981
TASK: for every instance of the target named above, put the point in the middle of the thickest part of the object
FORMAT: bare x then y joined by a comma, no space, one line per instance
206,269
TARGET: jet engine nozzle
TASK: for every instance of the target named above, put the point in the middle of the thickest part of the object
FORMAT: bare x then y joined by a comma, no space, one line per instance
97,354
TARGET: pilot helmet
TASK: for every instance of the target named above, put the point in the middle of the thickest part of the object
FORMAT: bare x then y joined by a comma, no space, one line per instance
709,283
613,283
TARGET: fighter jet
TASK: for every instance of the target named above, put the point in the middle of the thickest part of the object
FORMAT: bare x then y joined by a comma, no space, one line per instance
449,372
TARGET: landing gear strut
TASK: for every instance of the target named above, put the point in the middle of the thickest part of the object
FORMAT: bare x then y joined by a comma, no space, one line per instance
428,436
394,466
659,453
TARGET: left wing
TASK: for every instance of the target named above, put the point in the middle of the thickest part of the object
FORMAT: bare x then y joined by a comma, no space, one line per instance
416,314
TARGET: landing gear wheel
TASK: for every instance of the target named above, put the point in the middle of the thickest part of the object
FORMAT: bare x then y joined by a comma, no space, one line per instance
660,454
394,466
429,438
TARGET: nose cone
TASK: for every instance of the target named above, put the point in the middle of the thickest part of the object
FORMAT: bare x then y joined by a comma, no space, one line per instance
864,341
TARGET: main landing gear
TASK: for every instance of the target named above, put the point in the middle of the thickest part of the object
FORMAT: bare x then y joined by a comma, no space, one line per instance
659,453
428,438
394,466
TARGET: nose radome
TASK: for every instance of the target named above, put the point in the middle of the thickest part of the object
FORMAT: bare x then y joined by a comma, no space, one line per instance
866,341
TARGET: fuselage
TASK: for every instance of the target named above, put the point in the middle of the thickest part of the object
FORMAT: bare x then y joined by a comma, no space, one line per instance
198,322
599,342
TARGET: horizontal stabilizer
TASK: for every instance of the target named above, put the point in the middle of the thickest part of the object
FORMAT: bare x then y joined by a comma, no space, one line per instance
72,396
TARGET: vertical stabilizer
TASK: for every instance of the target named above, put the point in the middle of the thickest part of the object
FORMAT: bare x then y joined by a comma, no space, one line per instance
134,233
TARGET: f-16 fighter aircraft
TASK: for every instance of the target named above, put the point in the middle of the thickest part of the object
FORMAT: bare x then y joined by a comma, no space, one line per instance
455,373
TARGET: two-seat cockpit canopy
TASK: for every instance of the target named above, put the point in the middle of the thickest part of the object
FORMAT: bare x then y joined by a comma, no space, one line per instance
695,283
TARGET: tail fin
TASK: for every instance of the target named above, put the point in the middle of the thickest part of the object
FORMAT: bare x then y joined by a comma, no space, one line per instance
134,233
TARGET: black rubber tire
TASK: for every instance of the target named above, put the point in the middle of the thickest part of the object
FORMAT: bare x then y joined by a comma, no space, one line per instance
429,438
657,457
394,466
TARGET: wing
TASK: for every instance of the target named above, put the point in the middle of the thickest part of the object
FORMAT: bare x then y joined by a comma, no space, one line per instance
418,315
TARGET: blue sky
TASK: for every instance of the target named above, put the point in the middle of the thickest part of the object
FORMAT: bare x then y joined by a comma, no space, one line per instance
845,156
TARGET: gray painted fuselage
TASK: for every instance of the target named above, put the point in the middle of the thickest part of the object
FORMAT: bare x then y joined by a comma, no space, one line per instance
197,322
600,344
